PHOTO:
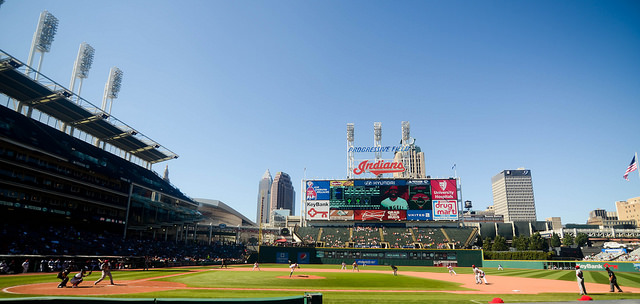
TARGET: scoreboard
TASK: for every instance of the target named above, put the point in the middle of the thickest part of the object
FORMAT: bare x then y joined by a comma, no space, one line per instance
382,199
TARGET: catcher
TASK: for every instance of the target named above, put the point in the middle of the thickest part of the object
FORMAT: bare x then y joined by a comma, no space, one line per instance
79,277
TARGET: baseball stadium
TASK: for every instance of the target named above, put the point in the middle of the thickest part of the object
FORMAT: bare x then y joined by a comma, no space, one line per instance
86,219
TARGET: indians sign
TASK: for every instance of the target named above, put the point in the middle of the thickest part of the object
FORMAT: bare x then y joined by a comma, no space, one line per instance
379,167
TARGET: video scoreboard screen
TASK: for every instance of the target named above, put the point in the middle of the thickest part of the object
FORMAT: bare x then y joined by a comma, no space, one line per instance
392,199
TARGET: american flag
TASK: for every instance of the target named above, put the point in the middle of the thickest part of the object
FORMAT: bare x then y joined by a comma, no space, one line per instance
633,166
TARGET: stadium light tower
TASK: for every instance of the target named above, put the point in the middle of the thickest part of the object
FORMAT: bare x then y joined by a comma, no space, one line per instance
111,89
377,138
350,146
82,66
406,159
42,39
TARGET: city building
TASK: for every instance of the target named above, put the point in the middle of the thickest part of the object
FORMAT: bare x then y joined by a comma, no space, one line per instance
415,167
264,198
629,210
279,217
513,195
282,193
556,222
601,217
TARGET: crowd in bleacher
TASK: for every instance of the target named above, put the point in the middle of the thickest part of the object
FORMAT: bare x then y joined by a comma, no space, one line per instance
43,242
614,256
376,237
366,237
335,237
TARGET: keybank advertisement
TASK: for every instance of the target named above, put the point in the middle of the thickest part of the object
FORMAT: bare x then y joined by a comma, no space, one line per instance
318,210
615,266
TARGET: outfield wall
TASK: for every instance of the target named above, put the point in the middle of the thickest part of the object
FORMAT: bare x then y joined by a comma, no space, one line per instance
370,256
622,266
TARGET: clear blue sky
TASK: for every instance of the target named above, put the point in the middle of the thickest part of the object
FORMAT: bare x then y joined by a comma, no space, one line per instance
239,87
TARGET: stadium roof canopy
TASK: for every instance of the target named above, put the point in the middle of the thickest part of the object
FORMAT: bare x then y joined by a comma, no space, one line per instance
48,97
220,212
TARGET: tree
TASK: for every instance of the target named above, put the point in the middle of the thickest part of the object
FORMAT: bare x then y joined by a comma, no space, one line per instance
567,240
555,240
500,244
486,244
521,243
536,242
581,239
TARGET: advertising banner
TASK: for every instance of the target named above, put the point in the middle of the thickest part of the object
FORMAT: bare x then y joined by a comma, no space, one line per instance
317,210
444,189
369,215
282,257
317,190
303,258
419,215
380,215
445,210
337,215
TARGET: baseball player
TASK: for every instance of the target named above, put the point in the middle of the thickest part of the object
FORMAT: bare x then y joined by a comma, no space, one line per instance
64,276
613,282
451,271
482,276
78,278
500,267
580,277
476,274
354,267
255,265
344,266
395,270
106,271
293,268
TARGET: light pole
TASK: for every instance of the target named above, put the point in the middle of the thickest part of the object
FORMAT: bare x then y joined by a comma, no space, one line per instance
82,66
42,39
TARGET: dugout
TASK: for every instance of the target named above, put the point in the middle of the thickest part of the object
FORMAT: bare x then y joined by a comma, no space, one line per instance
371,256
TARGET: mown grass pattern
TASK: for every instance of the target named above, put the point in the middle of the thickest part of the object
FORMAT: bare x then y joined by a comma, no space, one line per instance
341,280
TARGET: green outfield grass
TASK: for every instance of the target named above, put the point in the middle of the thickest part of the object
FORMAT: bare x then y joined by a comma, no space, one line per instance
339,281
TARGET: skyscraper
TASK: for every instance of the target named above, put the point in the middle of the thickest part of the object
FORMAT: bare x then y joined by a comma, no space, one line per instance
282,193
415,167
513,195
264,198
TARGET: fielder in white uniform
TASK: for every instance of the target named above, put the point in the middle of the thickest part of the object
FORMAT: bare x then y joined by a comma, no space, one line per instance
451,271
106,271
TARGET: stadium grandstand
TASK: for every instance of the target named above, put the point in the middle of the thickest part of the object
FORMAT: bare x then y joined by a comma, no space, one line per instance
360,236
77,181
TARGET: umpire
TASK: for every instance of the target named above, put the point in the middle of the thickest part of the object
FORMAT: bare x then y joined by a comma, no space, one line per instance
613,282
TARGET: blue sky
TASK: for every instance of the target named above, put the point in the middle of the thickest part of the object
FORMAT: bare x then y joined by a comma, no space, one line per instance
239,87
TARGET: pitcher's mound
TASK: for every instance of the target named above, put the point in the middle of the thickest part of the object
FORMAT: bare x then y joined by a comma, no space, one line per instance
302,277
